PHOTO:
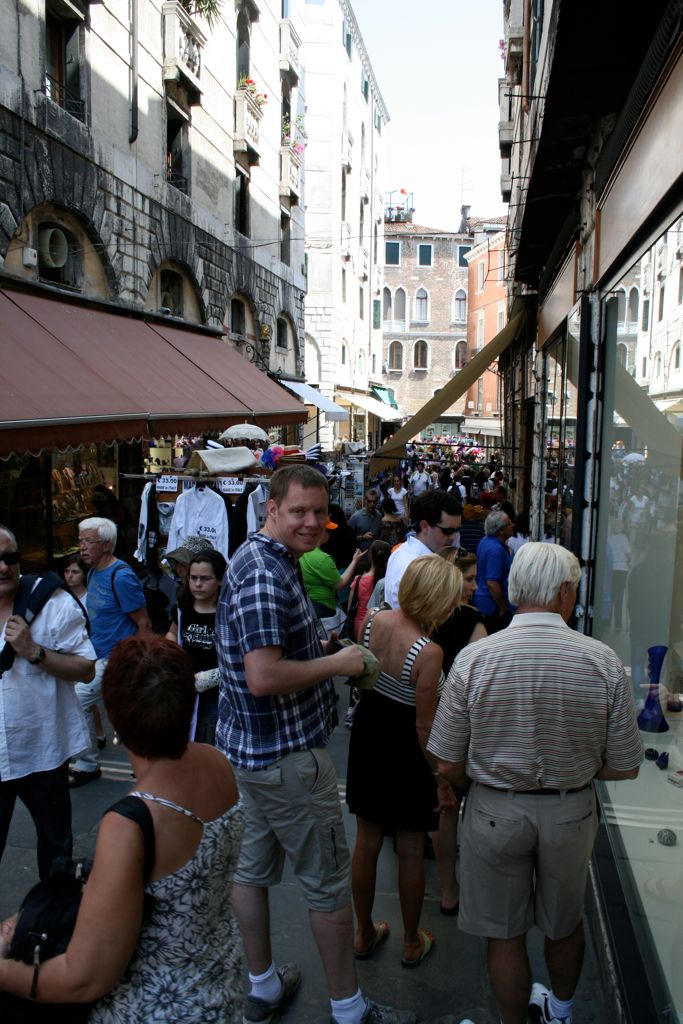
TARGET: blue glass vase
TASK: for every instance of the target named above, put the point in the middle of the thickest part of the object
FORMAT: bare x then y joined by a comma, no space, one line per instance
651,718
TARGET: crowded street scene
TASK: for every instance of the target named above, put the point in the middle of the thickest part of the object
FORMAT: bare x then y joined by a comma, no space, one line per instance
341,512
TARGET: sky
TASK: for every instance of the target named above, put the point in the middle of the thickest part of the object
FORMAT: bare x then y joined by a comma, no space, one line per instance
437,64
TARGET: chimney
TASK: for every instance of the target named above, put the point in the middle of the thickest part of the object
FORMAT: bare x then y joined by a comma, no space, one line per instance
464,228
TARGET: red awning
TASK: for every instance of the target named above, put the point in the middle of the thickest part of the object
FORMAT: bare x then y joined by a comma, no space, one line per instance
72,374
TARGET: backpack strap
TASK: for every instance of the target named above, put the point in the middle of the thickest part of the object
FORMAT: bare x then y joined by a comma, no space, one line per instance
30,598
135,809
118,565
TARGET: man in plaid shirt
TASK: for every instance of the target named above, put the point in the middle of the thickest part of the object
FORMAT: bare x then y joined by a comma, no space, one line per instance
277,710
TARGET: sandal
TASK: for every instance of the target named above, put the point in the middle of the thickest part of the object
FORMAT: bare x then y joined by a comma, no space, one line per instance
77,778
428,942
381,933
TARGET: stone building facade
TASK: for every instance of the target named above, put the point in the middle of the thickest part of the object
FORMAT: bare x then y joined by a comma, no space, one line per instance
161,178
424,314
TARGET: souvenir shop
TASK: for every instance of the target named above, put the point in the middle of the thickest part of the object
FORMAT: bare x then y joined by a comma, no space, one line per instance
127,401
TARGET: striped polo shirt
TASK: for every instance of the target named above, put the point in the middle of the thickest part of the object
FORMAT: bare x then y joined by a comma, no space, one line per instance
537,705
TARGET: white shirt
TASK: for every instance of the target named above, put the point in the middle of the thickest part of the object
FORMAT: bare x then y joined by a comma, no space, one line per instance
419,482
199,511
398,562
41,721
621,549
399,499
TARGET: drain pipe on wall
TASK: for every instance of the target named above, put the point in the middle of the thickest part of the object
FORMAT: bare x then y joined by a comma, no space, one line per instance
134,73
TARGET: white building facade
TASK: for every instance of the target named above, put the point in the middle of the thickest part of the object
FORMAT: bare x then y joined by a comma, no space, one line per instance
345,118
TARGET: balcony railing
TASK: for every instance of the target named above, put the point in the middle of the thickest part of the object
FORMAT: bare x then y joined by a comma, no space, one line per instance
177,180
347,149
290,174
183,45
364,185
290,52
63,97
346,240
248,115
394,326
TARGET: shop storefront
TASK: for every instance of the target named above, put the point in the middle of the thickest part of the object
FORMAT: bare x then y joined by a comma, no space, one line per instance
96,402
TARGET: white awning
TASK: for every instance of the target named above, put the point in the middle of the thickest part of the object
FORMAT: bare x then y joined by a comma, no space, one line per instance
491,427
311,396
372,405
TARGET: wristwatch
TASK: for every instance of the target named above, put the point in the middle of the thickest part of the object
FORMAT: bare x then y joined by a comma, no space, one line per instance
40,656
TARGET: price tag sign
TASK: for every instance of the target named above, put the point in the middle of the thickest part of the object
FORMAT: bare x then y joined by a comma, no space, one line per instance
167,483
229,484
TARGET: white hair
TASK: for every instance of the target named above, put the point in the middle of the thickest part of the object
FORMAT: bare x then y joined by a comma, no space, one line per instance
106,529
495,522
538,571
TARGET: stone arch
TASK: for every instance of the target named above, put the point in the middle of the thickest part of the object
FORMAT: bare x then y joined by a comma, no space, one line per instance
97,278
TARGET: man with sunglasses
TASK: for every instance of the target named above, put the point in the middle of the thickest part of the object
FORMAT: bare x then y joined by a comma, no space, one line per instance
41,722
436,518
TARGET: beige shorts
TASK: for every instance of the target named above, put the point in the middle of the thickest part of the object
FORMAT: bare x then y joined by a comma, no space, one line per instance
292,809
524,861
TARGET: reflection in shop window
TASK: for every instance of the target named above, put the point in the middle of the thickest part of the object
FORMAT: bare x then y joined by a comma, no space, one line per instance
638,605
561,369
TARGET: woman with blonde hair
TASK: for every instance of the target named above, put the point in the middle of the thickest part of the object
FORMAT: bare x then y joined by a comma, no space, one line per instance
391,786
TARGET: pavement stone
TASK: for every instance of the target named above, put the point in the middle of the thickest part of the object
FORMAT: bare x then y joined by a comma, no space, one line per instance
449,986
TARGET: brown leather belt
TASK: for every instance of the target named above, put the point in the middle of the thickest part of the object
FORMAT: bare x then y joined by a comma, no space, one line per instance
538,792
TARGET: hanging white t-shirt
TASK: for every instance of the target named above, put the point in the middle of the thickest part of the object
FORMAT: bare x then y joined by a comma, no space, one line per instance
257,508
199,511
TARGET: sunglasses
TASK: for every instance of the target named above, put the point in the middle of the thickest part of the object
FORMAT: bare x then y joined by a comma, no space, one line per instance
10,558
448,531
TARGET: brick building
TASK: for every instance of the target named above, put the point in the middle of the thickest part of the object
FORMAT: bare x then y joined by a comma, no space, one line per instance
487,315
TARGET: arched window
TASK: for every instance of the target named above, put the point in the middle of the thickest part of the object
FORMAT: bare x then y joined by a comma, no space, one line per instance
621,355
171,292
420,355
343,354
621,305
282,339
421,306
395,355
460,355
658,364
633,306
400,305
460,306
676,361
386,304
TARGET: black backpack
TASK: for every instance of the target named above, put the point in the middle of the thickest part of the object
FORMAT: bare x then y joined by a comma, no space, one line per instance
157,601
47,918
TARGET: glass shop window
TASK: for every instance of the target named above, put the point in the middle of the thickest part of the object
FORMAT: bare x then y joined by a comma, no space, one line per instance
638,611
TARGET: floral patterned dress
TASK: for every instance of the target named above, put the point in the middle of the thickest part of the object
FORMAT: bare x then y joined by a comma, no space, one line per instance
188,963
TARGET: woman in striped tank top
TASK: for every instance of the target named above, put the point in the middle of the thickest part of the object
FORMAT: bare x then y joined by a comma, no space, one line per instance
391,786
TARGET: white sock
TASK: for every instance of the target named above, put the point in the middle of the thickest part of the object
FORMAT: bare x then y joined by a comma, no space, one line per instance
559,1009
348,1011
266,986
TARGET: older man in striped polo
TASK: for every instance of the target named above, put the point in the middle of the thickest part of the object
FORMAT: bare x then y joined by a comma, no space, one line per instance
531,715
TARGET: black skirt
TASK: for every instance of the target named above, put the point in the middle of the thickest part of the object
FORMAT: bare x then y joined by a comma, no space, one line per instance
389,780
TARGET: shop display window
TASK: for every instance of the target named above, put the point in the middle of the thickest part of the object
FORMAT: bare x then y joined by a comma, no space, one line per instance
83,482
560,372
638,596
22,506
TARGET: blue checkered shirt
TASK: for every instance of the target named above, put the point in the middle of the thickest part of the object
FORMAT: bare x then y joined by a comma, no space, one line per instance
263,604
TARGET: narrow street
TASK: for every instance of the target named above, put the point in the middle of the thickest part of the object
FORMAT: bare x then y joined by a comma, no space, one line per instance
450,986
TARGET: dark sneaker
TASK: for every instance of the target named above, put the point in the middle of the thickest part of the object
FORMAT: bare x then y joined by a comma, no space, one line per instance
258,1011
539,1007
377,1014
